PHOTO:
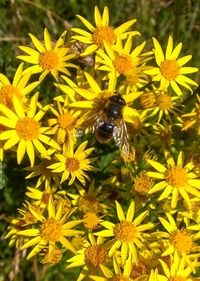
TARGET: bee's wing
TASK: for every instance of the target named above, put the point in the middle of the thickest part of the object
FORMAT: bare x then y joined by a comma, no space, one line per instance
121,138
92,123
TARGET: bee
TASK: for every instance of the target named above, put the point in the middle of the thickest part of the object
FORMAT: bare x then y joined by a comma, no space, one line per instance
108,123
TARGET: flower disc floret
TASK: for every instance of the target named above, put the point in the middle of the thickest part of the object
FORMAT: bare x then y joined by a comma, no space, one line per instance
176,176
123,64
65,120
103,33
28,129
95,255
182,241
138,270
164,102
6,95
169,69
72,164
125,231
48,60
50,230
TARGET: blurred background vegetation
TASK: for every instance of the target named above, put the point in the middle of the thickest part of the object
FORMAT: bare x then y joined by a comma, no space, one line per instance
157,18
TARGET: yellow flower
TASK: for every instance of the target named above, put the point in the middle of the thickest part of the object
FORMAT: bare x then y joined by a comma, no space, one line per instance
118,275
176,271
180,239
47,58
170,70
193,118
65,124
92,257
46,176
19,87
25,130
41,198
96,35
50,231
72,164
130,64
142,184
175,179
164,105
127,233
21,223
162,135
52,258
90,200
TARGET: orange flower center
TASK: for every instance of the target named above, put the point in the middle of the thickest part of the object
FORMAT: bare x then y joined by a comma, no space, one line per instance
125,231
48,60
176,176
124,65
6,95
138,270
72,164
28,129
182,241
77,242
95,255
103,33
164,102
65,120
147,100
177,278
169,69
143,183
50,230
45,198
90,220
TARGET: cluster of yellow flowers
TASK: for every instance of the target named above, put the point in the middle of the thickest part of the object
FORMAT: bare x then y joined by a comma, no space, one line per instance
137,218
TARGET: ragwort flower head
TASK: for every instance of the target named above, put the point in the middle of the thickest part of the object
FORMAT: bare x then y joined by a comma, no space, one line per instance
126,234
93,257
123,61
178,270
96,35
44,175
192,118
160,103
170,70
24,129
19,87
73,164
179,239
65,123
47,58
51,230
89,199
177,180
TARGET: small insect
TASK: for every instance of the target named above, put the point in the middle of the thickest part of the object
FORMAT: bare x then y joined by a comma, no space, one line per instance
108,123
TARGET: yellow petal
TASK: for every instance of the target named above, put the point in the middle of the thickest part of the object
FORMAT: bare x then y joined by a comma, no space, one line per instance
120,212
